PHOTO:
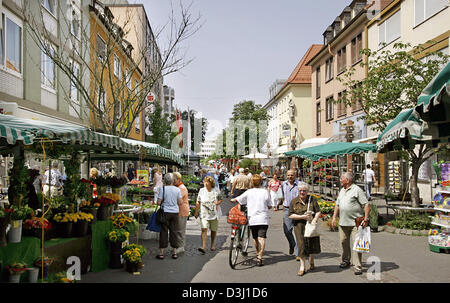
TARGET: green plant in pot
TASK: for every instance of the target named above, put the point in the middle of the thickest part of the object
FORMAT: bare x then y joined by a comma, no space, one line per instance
17,216
373,217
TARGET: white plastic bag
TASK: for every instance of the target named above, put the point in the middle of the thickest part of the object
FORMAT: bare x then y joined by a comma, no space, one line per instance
362,240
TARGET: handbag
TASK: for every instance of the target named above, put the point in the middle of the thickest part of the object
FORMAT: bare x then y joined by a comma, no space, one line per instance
160,218
154,224
311,230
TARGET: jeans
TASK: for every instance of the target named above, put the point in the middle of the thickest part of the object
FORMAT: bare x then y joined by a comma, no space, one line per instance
368,188
288,227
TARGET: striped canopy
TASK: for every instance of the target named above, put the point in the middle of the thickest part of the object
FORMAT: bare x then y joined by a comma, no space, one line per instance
152,149
331,150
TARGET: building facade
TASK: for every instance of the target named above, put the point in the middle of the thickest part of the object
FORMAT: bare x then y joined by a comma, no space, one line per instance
207,148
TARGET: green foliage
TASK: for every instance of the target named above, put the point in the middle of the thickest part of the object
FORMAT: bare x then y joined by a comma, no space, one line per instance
247,163
373,216
161,127
412,220
20,213
19,178
133,190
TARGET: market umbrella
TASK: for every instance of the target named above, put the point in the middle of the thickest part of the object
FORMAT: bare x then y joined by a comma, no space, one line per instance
330,150
256,155
433,105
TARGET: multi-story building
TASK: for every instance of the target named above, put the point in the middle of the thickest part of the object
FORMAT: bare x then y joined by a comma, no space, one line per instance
32,86
121,77
137,30
207,148
169,96
272,110
416,22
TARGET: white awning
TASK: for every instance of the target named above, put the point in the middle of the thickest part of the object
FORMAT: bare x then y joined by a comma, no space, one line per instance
313,142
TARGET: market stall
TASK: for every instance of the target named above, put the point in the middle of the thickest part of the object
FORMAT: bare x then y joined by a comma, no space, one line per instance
324,164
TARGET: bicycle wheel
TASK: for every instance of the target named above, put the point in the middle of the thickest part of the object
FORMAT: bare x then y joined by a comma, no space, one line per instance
235,248
245,236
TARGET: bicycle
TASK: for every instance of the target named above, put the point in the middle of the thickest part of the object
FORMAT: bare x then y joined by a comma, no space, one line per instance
240,240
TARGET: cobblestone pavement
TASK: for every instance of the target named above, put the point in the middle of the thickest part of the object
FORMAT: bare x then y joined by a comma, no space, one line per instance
401,258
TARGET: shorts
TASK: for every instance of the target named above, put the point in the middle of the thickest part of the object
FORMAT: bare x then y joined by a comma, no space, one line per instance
259,231
213,225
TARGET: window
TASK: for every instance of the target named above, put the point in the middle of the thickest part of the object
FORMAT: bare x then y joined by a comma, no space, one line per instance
48,69
101,49
356,48
116,66
341,59
11,43
318,118
356,102
424,9
74,91
389,30
329,72
128,78
50,5
318,82
341,108
75,25
329,110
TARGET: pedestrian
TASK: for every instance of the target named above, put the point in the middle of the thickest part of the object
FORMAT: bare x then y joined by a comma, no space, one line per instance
208,203
264,178
184,209
131,172
289,189
350,204
231,176
257,200
304,208
240,184
33,200
157,179
171,199
37,181
274,187
369,180
54,185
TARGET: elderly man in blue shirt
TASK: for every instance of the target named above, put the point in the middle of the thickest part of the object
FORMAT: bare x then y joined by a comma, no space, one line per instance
289,189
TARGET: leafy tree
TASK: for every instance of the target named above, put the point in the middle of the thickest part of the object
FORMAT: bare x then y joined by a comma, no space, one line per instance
394,81
160,126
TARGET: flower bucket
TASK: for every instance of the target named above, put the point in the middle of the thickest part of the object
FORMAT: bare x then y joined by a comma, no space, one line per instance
104,212
33,274
131,267
80,228
115,260
65,229
14,278
15,232
3,225
93,211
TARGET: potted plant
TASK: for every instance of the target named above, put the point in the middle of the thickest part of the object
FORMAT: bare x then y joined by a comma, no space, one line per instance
132,258
33,227
81,224
120,220
65,223
43,264
15,271
116,237
91,208
142,251
17,216
105,209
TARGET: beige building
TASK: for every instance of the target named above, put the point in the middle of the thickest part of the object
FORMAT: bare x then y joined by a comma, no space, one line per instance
416,22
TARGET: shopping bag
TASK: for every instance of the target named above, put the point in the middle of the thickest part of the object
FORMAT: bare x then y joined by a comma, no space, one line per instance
362,240
153,225
311,230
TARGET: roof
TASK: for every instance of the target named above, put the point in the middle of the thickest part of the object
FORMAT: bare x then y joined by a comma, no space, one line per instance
302,72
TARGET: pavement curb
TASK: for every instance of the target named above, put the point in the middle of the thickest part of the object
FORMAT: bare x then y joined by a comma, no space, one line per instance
403,231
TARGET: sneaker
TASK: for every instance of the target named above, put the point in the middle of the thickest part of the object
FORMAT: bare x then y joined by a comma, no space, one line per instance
358,271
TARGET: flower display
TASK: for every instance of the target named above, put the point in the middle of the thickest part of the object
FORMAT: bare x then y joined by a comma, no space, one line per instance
36,222
47,261
20,213
142,250
120,220
89,204
73,217
118,235
132,255
326,208
112,181
17,268
103,201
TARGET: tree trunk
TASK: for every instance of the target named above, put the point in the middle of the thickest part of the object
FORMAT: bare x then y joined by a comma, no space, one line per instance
415,193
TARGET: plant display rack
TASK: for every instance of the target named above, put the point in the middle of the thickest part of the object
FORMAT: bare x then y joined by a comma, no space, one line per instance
395,177
439,239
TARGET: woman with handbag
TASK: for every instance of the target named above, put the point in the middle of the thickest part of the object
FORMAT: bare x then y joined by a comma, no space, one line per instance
305,212
169,196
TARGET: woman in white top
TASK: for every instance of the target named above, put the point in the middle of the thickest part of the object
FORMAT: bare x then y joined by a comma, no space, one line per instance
208,201
258,204
157,178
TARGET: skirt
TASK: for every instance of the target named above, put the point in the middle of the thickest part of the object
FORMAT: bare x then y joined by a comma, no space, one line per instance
306,246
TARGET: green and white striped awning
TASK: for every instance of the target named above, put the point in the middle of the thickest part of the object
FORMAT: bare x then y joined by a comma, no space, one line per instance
28,131
152,149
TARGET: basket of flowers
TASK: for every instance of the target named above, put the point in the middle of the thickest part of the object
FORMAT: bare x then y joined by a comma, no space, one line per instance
105,209
81,224
33,228
133,254
120,220
115,238
15,270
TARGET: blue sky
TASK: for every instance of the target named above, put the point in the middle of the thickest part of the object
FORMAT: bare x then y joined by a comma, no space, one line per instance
241,49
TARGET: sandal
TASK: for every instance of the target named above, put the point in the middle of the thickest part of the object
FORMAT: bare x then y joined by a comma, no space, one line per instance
201,250
259,262
213,249
174,256
161,257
